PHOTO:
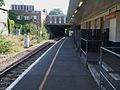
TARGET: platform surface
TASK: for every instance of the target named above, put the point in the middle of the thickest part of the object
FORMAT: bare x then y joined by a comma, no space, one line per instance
67,72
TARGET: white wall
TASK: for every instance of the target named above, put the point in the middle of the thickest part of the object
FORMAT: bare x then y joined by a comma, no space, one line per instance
3,19
83,26
92,26
97,23
118,27
112,32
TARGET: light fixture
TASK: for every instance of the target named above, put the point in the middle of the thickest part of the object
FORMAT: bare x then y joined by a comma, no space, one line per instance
81,2
75,11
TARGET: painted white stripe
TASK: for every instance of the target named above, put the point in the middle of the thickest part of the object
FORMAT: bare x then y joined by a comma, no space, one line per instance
50,67
31,66
94,73
115,76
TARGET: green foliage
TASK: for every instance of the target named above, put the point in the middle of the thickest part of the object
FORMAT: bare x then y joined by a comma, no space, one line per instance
44,33
56,11
2,2
40,39
5,45
11,25
30,28
19,26
44,10
13,15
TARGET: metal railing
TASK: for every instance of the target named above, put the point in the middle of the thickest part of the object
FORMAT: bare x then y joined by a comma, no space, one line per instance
90,46
110,68
90,43
76,37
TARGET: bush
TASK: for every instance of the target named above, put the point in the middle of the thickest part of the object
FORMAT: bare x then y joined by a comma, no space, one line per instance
39,39
5,46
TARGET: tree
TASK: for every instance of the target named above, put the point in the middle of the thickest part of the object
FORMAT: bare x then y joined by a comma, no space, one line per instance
56,11
13,15
44,10
30,28
2,2
11,25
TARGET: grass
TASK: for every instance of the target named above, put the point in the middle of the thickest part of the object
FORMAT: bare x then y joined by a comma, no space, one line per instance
17,43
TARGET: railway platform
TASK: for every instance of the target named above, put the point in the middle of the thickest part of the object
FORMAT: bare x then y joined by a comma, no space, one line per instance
59,68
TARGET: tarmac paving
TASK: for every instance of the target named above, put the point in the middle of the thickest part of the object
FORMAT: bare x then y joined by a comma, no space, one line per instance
67,72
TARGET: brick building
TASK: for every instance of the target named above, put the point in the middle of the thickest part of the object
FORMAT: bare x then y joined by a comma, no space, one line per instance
56,19
27,12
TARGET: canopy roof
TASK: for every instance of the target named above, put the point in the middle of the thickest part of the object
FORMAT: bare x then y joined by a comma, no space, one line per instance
73,4
88,8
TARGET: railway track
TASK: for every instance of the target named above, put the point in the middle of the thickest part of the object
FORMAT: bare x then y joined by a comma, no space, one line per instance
10,74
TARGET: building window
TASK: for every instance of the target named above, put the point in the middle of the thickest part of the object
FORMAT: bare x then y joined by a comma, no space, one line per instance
24,7
18,7
64,19
27,8
59,20
15,7
35,17
50,22
50,19
21,7
55,20
32,8
27,17
12,7
18,17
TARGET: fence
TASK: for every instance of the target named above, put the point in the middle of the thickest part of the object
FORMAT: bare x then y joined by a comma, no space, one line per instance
110,68
90,44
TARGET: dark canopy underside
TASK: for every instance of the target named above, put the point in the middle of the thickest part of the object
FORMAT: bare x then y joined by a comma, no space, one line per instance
90,8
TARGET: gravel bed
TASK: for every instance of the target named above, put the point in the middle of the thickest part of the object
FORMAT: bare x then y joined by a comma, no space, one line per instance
6,60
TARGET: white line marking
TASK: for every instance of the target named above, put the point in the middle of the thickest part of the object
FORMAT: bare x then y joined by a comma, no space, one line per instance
94,73
115,76
31,66
50,67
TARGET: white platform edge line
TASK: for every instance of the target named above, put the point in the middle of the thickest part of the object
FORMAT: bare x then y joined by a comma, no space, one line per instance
31,66
113,75
92,73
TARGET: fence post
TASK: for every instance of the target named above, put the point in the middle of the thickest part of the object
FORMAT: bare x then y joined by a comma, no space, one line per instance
26,40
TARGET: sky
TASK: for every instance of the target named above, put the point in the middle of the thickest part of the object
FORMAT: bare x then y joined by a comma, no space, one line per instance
42,4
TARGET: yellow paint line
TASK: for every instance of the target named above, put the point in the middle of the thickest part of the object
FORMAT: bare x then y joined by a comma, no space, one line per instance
50,67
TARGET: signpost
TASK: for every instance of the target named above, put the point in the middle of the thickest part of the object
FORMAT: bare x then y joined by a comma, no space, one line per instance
26,40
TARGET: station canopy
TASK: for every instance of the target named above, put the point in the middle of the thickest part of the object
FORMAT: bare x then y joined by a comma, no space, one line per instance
88,9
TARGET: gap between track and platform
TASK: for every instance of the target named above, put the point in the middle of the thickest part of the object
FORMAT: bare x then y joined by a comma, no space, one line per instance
50,67
31,66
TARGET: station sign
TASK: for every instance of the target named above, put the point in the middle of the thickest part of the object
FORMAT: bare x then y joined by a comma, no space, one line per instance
110,16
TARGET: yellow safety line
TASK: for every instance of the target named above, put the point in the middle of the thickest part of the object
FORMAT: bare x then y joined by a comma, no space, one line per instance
50,67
